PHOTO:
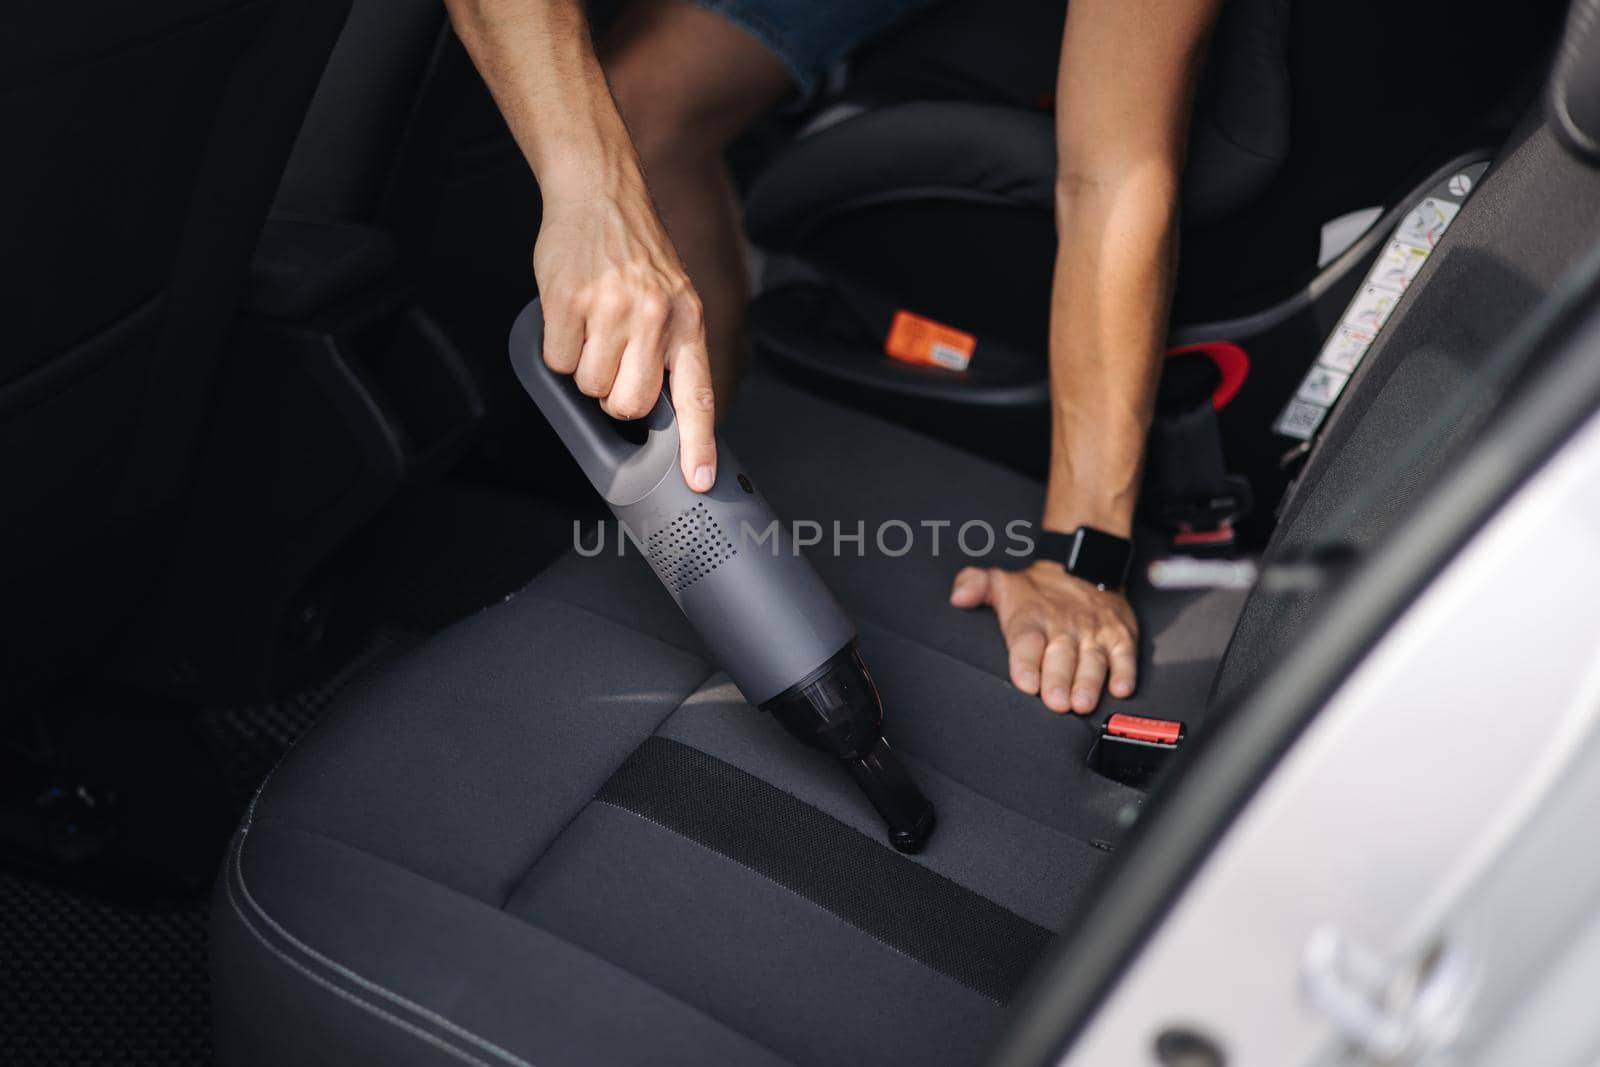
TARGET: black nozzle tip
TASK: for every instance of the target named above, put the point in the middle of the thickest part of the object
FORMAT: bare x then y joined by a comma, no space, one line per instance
910,840
906,812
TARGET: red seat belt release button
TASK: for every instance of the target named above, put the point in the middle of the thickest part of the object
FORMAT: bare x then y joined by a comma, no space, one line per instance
1132,749
1138,728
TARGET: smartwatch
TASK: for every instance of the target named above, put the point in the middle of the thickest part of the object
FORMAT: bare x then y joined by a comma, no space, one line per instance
1101,559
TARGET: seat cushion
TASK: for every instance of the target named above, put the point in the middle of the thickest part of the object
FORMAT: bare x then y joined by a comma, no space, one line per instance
557,833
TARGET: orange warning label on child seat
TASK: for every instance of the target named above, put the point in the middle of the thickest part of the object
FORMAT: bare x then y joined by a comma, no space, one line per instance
915,339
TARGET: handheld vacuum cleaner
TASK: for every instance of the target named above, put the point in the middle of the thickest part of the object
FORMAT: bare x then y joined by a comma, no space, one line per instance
734,571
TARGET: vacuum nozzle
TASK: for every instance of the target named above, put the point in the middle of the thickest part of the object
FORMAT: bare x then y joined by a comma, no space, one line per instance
837,709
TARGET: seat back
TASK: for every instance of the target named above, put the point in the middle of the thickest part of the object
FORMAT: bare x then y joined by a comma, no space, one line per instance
144,143
1432,377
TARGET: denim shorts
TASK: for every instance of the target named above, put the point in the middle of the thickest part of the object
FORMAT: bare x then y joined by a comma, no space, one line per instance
810,36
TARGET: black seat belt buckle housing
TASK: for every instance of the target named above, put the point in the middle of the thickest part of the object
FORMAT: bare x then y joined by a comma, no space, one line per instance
1189,491
1133,749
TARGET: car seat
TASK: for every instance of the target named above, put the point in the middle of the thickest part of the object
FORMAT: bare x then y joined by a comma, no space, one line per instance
928,185
556,834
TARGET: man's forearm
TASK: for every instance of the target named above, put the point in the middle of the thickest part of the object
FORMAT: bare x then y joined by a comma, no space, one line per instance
1128,72
1111,293
538,61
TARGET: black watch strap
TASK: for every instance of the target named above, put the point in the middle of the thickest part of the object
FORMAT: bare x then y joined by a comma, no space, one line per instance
1099,558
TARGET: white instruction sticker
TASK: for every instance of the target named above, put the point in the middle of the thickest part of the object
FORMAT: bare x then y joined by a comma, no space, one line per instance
1344,349
1397,266
1370,310
1322,386
1392,273
1426,223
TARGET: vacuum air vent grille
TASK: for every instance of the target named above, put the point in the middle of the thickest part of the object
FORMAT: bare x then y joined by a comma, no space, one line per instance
688,548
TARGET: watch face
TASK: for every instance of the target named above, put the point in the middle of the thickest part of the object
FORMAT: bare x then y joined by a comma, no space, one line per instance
1100,558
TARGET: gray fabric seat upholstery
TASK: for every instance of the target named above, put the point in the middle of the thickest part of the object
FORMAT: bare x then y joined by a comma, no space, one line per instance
443,872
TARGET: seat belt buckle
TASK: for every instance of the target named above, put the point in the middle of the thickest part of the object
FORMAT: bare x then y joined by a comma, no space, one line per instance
1189,492
1205,527
1133,749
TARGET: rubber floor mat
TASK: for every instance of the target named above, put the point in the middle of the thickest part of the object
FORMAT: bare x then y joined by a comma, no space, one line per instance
88,983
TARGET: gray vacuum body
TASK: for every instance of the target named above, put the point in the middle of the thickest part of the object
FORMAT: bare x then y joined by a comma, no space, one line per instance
732,567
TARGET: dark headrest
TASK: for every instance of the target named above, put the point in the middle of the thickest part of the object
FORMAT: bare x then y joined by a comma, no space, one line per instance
1574,99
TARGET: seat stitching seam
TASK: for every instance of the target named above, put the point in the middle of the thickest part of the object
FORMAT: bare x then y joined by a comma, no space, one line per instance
807,900
338,968
565,826
1075,837
411,1028
619,623
730,1027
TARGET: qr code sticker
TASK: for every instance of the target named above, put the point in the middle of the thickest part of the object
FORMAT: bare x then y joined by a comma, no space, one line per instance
1300,420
